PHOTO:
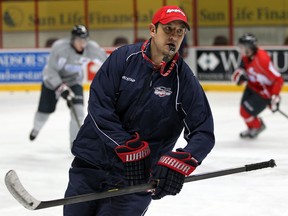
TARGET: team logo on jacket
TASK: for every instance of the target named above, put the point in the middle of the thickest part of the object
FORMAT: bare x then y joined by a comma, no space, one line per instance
162,91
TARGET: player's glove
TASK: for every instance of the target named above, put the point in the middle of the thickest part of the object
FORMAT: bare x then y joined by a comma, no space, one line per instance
135,155
170,173
64,91
275,103
239,76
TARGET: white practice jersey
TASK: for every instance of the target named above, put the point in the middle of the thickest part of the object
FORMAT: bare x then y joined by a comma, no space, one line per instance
65,65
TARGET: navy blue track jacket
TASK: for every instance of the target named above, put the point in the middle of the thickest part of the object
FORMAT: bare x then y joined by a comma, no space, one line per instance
129,95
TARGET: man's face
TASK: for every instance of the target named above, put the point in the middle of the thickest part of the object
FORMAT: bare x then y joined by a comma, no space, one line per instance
167,35
80,44
245,50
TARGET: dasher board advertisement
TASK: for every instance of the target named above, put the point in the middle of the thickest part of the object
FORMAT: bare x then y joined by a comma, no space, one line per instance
22,66
218,64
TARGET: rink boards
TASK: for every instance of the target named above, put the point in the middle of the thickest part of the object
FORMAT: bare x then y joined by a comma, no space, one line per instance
21,69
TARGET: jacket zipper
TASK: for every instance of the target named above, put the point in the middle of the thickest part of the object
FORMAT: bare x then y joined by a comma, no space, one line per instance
147,86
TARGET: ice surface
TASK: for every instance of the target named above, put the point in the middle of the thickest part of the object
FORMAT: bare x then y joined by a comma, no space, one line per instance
42,165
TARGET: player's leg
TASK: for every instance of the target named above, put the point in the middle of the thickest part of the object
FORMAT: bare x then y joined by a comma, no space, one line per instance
126,205
79,184
132,204
252,104
47,105
85,178
78,106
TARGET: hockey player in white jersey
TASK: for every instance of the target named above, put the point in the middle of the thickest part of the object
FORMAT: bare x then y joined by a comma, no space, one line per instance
63,77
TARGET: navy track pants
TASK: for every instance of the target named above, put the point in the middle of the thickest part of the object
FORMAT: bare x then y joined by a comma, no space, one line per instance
85,178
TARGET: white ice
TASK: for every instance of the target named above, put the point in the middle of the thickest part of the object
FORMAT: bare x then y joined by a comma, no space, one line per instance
42,165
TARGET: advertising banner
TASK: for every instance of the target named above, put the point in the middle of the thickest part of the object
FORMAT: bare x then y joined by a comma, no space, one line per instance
22,66
208,63
115,14
218,64
17,66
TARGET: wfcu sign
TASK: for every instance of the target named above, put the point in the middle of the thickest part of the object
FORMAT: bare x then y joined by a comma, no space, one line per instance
219,63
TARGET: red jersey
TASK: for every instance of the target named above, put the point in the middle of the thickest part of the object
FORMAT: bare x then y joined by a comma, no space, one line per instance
263,78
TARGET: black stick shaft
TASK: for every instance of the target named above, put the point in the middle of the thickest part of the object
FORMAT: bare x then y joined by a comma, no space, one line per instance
246,168
151,186
96,196
203,176
71,104
284,114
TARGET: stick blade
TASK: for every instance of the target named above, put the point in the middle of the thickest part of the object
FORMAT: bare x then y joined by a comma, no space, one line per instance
17,190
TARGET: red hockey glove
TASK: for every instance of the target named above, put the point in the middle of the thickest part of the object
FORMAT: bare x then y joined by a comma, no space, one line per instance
64,91
239,76
135,155
170,173
275,103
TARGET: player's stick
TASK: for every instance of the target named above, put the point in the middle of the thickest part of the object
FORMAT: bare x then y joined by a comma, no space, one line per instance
28,201
281,112
71,105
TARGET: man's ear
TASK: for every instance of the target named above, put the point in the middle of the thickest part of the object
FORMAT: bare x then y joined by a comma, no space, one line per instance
152,29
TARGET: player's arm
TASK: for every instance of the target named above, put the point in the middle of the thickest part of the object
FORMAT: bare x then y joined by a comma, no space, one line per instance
199,125
172,167
97,56
51,77
277,83
275,90
131,150
239,76
275,77
98,53
102,99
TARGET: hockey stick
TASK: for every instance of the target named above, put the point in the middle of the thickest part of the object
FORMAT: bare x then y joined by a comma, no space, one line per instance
71,105
28,201
281,112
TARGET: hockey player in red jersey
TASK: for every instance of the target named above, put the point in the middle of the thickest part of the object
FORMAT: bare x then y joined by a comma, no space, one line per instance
263,84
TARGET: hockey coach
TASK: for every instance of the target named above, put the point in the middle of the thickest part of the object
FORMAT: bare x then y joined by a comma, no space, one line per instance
141,99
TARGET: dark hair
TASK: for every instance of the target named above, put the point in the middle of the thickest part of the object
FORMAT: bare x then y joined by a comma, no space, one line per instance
156,25
119,41
220,40
286,41
50,41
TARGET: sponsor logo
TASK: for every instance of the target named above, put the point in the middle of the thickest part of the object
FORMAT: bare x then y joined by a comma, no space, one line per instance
175,164
129,79
175,11
162,91
13,17
138,155
208,61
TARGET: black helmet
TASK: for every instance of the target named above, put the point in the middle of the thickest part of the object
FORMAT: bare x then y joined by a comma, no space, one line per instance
79,31
249,40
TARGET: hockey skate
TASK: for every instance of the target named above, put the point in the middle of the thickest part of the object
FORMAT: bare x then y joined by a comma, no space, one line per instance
33,134
252,132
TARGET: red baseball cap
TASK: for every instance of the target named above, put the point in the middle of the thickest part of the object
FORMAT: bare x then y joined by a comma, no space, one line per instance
167,14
